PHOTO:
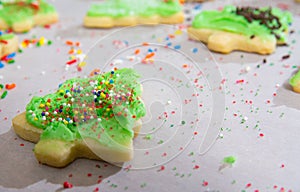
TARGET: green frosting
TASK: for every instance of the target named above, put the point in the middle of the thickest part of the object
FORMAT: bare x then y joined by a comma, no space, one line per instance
6,36
104,107
294,81
228,20
16,11
145,8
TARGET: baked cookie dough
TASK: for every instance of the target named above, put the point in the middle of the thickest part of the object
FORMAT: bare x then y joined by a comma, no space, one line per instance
95,118
132,12
21,16
295,82
248,29
8,43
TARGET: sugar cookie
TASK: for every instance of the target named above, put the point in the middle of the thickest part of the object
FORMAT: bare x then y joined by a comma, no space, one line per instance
295,82
132,12
241,28
94,118
8,43
21,16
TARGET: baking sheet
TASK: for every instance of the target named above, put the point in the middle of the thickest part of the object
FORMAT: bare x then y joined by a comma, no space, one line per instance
260,128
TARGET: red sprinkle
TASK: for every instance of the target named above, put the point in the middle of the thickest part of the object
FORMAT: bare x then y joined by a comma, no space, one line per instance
89,174
205,183
10,86
248,185
67,185
3,41
196,167
22,145
71,62
239,81
162,168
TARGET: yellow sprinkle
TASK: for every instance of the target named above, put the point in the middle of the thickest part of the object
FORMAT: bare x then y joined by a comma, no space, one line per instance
107,109
178,32
36,119
48,104
42,41
82,117
99,87
106,82
42,105
159,40
66,122
79,51
103,95
76,112
82,64
23,45
90,109
72,57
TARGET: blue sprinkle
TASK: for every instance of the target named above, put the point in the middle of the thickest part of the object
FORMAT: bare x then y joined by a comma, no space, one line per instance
198,7
1,65
167,38
60,110
126,43
169,44
150,50
112,72
1,33
177,47
111,81
11,55
195,50
68,119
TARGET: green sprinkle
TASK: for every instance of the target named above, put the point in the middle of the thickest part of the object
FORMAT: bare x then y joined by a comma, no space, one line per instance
20,51
1,86
143,185
229,160
10,61
148,137
49,42
182,122
38,44
4,94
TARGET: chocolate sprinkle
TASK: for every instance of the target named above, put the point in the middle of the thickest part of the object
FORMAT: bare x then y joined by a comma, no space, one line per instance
265,18
285,56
